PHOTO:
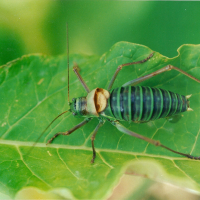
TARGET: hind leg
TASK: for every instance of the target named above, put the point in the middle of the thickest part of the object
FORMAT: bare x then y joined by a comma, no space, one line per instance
123,129
164,69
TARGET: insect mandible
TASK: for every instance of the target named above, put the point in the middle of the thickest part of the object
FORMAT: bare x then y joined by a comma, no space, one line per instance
126,103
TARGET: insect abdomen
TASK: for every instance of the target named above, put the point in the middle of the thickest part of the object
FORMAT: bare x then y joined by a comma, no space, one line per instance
139,103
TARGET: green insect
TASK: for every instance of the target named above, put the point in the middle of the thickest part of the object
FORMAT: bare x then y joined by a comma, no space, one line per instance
127,103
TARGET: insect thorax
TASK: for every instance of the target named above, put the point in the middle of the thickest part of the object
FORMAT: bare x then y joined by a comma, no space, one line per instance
91,105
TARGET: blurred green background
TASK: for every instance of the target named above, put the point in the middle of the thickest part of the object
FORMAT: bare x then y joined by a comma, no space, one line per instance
34,26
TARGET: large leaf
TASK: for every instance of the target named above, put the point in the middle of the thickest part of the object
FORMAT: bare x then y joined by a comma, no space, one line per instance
34,91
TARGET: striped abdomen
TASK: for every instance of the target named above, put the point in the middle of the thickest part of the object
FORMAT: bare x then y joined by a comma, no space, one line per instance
140,104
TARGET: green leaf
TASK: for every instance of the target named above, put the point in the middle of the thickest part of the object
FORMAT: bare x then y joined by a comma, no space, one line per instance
34,91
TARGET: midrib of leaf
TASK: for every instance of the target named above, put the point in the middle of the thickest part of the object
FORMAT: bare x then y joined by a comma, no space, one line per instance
83,147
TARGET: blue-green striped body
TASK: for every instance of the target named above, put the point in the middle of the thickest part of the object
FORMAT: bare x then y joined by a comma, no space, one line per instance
142,104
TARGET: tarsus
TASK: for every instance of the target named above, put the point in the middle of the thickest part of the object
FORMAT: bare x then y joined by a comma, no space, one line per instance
44,132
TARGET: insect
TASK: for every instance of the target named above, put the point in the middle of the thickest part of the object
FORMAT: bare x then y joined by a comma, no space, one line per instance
126,103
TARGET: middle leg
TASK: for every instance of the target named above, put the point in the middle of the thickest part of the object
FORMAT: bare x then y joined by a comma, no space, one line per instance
85,121
93,138
119,68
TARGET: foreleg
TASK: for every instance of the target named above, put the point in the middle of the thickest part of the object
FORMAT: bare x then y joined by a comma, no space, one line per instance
85,121
76,71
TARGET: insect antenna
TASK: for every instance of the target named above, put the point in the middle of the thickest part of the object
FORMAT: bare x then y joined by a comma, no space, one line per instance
44,132
68,60
68,98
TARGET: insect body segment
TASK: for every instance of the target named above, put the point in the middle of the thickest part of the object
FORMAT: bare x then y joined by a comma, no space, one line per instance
78,106
142,104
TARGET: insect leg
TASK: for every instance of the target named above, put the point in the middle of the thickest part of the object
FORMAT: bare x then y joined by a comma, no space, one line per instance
123,129
164,69
85,121
93,138
75,69
123,65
